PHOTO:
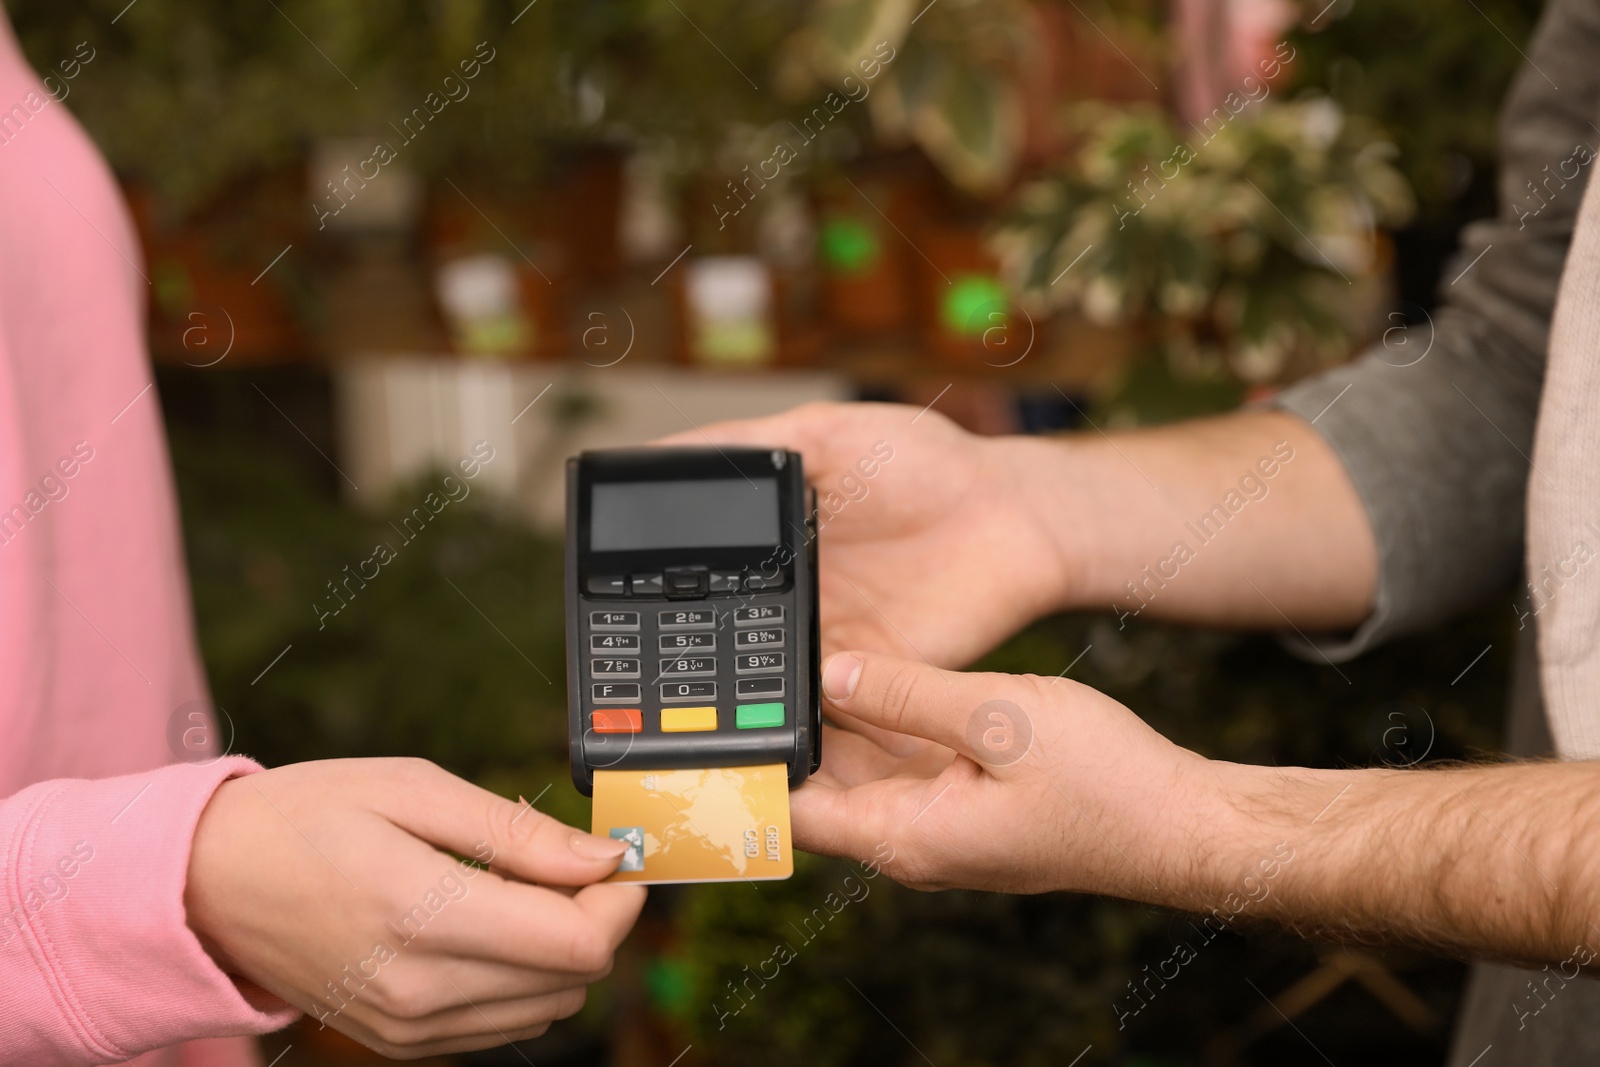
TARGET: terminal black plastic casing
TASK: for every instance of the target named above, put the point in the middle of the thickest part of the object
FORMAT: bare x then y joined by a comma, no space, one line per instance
625,582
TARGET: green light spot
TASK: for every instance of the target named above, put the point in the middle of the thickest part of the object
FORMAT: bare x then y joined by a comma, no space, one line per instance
669,985
974,303
848,245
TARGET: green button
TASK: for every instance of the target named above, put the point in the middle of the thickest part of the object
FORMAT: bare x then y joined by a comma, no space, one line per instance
756,716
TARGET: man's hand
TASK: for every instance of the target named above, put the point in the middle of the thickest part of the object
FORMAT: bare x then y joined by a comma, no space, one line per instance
325,883
932,543
945,549
1034,784
1039,785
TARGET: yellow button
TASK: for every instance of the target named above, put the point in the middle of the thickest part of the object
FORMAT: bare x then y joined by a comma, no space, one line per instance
687,720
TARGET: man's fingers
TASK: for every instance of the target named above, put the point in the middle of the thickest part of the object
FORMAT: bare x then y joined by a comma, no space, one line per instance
795,429
852,759
968,713
513,837
834,438
899,745
843,822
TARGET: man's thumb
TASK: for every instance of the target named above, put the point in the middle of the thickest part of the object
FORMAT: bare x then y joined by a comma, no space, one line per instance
973,714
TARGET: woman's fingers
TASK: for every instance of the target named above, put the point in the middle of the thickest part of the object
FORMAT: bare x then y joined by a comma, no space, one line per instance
424,983
534,927
468,1024
454,814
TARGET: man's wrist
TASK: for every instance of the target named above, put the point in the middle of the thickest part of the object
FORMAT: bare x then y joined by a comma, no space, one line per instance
1059,487
1232,849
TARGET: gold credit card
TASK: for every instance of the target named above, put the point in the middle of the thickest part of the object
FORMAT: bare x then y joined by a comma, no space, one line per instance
715,825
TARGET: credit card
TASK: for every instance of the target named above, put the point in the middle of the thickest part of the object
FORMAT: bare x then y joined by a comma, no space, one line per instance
720,824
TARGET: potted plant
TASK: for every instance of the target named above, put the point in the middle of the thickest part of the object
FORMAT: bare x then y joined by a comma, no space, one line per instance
1252,250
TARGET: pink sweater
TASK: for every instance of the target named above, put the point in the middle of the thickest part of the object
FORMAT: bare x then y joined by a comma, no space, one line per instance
97,647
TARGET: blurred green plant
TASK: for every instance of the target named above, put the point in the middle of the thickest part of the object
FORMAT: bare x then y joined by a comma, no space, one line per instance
1433,74
954,89
1239,247
188,96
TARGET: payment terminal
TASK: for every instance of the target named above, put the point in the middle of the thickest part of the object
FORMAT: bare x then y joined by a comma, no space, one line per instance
691,595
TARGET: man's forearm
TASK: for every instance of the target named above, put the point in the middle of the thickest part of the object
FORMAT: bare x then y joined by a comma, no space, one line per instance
1494,861
1246,520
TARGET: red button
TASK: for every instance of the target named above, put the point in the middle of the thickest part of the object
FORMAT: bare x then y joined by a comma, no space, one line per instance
617,721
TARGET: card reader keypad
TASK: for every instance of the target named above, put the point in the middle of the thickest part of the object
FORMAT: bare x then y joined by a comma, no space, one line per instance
718,667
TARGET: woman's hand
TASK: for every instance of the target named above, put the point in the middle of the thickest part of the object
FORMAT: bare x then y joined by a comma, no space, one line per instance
325,884
1034,784
932,542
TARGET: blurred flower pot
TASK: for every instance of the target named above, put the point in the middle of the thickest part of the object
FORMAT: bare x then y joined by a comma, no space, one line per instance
580,209
867,274
502,307
968,319
727,312
546,301
502,283
206,308
211,294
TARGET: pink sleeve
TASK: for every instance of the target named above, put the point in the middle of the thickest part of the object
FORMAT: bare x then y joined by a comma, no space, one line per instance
97,962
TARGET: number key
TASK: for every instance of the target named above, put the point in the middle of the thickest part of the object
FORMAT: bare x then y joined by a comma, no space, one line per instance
682,642
695,619
760,615
677,692
614,668
757,662
769,638
689,667
604,643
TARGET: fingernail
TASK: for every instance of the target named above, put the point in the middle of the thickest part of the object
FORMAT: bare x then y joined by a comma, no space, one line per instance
840,675
590,847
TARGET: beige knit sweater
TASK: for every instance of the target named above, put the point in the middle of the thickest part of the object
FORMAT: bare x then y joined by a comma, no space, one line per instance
1564,499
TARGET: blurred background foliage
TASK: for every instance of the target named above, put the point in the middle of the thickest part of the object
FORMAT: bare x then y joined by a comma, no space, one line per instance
1390,62
194,101
1204,239
193,95
1433,76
